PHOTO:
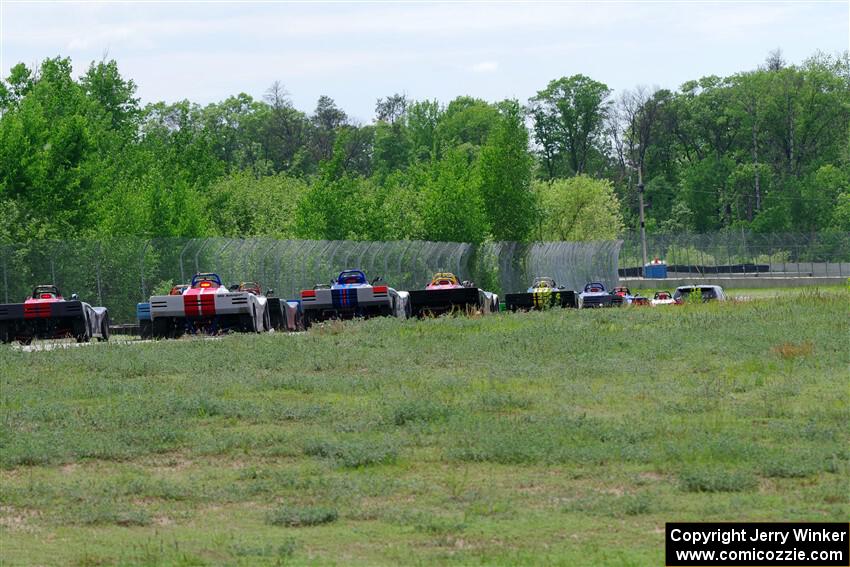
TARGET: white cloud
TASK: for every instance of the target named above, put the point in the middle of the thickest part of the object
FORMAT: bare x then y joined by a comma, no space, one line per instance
357,52
485,67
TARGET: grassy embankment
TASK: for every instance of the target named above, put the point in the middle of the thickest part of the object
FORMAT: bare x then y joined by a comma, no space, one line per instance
565,437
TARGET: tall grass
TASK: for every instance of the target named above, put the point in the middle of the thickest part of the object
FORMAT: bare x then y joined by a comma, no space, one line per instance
449,439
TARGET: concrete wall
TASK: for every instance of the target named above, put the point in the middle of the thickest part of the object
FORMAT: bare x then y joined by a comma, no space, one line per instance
813,268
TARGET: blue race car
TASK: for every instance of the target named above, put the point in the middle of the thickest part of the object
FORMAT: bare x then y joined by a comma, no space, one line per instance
351,294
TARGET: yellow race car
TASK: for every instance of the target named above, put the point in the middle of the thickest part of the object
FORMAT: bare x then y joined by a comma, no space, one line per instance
544,293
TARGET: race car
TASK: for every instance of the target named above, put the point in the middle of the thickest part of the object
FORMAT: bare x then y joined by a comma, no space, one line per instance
143,312
622,296
45,314
284,314
208,306
663,298
595,295
701,292
543,294
349,295
447,294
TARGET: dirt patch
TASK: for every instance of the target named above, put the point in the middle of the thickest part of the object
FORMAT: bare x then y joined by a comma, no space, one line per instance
162,521
17,520
171,463
652,476
70,468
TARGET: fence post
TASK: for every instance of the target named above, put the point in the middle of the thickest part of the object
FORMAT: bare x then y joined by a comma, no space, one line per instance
217,264
142,267
201,247
263,264
182,273
785,262
5,278
728,256
97,269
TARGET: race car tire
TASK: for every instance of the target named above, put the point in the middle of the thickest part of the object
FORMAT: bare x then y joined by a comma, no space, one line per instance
267,321
25,341
104,330
248,323
5,335
161,328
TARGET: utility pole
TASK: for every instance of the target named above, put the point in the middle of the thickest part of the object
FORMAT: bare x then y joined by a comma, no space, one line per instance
642,223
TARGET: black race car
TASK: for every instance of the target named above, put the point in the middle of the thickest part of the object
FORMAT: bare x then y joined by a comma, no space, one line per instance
47,315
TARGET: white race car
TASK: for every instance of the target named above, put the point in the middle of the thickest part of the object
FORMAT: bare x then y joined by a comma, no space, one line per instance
208,306
662,298
351,294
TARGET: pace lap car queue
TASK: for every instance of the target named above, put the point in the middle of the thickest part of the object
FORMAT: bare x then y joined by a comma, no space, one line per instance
206,306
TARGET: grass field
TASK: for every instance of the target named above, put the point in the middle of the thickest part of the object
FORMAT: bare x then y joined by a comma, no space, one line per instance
564,437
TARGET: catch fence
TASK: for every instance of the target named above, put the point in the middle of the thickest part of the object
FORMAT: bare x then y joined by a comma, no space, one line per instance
119,272
742,252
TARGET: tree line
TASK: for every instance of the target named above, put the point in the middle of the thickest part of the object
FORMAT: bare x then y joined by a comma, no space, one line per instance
766,150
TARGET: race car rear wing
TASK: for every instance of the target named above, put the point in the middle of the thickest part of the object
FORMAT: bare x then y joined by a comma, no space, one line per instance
423,301
46,310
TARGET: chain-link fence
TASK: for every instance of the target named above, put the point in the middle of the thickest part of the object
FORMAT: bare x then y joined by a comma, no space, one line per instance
119,272
742,252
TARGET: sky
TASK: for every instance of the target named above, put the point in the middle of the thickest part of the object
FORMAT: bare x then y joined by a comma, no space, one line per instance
356,52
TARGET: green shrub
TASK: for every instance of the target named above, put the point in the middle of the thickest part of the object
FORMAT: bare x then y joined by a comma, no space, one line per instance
612,505
717,480
300,517
353,454
419,410
798,464
281,551
787,469
637,504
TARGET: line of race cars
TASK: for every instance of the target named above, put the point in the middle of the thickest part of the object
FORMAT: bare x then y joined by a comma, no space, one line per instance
206,306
